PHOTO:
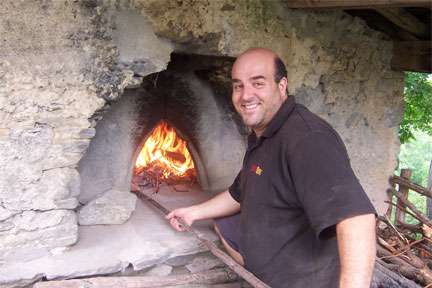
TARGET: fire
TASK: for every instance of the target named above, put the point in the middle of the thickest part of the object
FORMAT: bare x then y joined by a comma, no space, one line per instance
164,153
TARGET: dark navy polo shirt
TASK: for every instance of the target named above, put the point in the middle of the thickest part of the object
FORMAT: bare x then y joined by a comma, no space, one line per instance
296,184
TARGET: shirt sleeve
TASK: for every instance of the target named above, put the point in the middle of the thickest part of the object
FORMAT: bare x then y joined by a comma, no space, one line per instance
325,183
234,189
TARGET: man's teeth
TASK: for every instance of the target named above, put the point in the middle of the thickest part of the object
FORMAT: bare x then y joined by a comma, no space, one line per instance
250,106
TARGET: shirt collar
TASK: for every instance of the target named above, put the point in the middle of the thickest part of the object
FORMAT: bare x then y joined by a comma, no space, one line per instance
280,117
276,122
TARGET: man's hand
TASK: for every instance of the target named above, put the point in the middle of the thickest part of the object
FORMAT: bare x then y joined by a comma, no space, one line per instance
220,205
356,244
187,214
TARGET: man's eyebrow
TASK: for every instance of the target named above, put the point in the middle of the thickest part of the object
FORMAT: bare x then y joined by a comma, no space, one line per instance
259,77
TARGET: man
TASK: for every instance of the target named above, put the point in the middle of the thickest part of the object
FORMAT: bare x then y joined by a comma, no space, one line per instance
305,221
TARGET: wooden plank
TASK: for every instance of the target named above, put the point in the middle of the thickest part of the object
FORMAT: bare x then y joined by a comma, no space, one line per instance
216,276
403,191
405,20
412,56
356,4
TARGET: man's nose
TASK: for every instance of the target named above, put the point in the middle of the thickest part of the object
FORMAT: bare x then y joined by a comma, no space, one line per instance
247,93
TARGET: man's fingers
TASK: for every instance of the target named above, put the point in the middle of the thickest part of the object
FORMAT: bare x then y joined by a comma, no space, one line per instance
175,219
176,225
169,215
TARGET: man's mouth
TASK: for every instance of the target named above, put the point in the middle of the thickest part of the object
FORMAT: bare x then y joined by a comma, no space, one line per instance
249,107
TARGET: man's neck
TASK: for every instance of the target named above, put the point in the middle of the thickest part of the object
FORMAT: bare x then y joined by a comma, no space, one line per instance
258,132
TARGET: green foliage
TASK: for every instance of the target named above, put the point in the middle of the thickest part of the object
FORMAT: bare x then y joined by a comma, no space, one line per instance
419,202
416,135
418,105
416,155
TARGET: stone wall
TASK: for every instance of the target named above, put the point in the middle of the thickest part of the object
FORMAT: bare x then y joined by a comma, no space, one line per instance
337,67
47,93
61,62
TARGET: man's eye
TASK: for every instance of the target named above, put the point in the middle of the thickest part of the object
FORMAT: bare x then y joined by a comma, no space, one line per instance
258,84
237,87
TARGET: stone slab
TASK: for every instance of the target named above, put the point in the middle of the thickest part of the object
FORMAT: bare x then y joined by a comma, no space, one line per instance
203,263
160,271
113,207
146,239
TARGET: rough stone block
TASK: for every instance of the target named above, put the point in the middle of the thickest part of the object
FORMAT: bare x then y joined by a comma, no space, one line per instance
114,207
180,260
87,133
55,189
203,263
5,213
32,233
160,271
4,133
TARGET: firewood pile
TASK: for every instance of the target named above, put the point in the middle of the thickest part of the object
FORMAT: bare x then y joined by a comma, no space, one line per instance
406,248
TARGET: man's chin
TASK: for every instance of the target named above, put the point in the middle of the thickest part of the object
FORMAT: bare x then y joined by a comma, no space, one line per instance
251,123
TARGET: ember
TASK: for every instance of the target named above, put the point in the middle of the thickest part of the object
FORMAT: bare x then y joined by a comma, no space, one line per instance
164,158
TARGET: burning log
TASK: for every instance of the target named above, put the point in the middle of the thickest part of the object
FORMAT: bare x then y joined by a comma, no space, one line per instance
164,158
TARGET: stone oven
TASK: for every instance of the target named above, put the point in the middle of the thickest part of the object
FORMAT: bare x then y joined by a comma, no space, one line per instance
83,83
193,96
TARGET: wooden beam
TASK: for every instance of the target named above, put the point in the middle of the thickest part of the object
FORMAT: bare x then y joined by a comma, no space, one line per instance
357,4
378,22
405,20
412,56
191,280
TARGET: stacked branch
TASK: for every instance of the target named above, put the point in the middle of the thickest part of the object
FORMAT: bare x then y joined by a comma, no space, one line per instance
406,248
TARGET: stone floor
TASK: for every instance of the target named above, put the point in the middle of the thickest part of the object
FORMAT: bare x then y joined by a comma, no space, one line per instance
145,240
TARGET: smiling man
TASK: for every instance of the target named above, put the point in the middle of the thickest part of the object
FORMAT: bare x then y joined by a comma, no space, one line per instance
296,215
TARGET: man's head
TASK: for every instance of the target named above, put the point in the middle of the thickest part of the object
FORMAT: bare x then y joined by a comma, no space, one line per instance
259,87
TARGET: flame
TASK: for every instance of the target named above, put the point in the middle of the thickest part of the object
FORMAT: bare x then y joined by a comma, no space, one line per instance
168,152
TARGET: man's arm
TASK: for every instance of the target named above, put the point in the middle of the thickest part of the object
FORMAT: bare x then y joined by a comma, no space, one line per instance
356,244
221,205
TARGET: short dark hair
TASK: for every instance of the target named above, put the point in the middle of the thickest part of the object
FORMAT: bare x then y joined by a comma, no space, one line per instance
280,69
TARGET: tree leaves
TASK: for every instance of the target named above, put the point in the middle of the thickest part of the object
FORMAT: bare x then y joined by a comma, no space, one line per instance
418,105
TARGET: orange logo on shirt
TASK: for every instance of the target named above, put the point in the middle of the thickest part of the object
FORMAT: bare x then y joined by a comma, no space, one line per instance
256,169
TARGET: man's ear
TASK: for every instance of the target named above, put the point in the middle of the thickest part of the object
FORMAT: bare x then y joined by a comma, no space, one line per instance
283,86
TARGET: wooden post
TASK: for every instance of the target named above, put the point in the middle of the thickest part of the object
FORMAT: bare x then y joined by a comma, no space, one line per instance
390,198
400,215
429,187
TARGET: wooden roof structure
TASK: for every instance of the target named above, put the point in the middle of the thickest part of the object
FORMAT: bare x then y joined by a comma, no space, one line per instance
406,22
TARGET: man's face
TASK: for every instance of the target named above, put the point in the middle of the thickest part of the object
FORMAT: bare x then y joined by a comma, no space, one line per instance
256,96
